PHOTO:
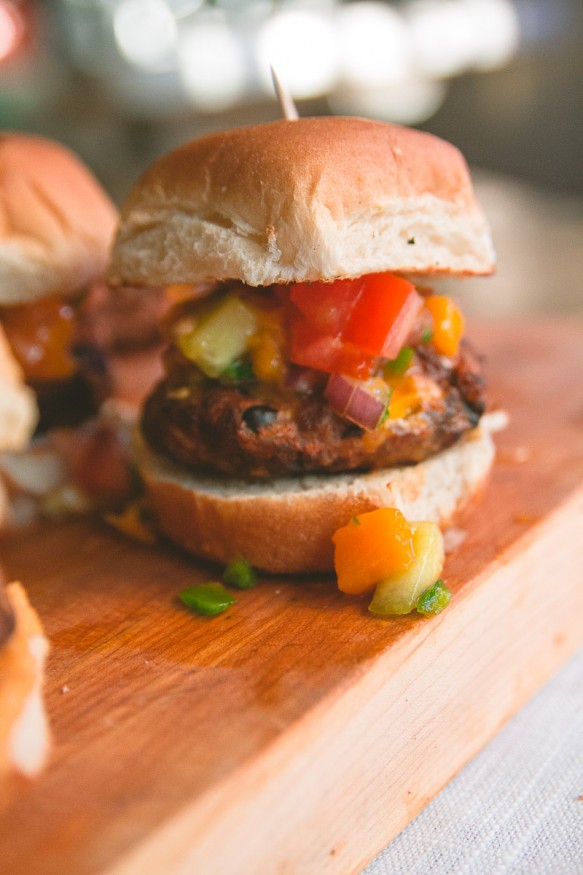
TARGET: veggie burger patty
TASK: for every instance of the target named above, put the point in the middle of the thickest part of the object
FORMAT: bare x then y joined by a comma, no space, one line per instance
242,427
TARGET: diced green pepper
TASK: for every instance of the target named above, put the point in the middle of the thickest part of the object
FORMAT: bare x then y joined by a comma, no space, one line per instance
434,600
240,574
220,337
398,366
207,599
238,371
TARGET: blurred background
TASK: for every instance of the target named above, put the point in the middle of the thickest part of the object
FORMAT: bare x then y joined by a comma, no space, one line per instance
122,81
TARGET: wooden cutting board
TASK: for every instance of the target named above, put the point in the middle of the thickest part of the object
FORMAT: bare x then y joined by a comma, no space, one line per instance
296,733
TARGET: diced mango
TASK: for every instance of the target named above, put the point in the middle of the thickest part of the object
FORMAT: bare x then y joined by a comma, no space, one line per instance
372,547
409,393
267,347
448,324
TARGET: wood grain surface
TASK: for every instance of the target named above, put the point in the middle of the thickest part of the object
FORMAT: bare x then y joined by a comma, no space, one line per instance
295,733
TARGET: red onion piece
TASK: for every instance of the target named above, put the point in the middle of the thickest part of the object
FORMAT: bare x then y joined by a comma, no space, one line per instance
363,402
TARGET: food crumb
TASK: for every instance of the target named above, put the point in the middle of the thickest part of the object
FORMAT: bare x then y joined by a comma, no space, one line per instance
65,690
134,521
278,592
453,538
515,455
526,519
522,454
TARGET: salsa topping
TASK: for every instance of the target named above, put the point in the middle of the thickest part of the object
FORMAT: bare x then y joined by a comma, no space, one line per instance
286,380
401,561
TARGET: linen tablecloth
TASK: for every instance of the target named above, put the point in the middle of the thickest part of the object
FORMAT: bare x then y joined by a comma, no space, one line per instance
517,807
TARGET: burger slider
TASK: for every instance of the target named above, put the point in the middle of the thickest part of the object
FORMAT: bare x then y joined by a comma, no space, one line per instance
56,226
319,376
75,343
24,738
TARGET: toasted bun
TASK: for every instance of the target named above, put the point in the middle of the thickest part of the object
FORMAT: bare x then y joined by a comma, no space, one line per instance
18,413
24,735
287,525
56,222
313,199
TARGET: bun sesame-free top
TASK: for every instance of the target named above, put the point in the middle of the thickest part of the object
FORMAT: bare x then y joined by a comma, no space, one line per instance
56,222
304,200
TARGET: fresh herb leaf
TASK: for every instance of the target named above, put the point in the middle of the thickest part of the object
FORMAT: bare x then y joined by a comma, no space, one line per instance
427,335
411,241
238,371
240,574
355,520
386,413
434,600
398,366
207,599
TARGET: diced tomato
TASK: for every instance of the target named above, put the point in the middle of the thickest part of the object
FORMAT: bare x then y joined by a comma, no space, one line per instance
383,314
326,352
327,306
343,326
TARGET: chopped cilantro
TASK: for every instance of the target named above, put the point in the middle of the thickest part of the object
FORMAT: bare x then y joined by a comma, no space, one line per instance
240,574
207,599
427,335
355,520
433,600
385,415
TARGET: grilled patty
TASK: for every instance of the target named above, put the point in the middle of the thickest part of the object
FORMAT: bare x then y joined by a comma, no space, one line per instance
251,431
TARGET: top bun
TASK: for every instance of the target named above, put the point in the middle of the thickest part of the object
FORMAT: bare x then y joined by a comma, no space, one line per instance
56,222
312,199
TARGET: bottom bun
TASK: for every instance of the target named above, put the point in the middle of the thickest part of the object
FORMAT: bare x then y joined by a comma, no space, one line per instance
286,525
24,735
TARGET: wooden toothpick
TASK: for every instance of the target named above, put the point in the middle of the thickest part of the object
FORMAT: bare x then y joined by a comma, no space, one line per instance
286,103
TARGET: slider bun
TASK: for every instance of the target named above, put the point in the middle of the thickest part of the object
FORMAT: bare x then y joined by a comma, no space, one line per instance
313,199
56,223
24,734
18,411
285,526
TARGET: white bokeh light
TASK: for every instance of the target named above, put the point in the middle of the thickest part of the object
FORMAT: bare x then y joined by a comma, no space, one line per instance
497,31
145,32
442,36
374,44
302,46
450,37
212,65
409,102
